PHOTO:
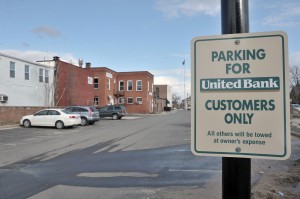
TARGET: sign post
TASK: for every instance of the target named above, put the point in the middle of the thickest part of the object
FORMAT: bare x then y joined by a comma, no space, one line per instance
236,172
240,97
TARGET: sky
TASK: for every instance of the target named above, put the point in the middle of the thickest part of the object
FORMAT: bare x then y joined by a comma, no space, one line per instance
132,35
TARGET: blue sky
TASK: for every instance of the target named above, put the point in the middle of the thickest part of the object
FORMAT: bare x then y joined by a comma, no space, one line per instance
131,35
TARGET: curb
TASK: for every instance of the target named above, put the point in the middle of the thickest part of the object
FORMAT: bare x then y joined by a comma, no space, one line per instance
9,126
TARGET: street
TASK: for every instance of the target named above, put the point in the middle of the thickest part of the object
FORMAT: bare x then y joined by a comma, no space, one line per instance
144,156
140,156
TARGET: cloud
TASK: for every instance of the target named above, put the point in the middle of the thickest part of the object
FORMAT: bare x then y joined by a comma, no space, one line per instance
174,78
35,55
177,8
283,14
46,31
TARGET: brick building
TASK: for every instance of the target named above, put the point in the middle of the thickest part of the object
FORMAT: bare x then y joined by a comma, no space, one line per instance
135,91
162,97
101,86
73,84
132,89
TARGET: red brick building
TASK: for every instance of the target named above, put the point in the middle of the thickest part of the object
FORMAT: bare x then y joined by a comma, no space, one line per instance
137,90
132,89
102,86
74,85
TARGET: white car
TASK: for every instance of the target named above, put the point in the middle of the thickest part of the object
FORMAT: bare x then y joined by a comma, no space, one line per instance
296,106
58,118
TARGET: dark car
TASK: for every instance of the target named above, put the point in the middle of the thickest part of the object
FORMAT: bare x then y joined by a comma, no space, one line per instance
88,114
113,111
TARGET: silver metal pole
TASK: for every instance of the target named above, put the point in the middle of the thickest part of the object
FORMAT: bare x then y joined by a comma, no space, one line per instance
183,63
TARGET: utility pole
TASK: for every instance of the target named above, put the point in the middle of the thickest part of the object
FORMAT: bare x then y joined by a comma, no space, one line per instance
236,172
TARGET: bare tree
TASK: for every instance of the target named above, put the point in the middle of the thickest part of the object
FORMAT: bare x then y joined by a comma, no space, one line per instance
294,78
176,100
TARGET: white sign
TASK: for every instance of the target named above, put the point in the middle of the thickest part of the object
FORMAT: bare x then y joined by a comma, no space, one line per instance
90,80
109,75
240,96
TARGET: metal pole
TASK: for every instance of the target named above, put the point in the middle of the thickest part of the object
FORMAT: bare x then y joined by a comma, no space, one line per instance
236,172
184,85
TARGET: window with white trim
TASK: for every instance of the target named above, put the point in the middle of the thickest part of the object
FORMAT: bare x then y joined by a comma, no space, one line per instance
129,85
108,83
129,100
139,85
121,100
41,75
26,70
121,85
96,101
12,69
46,76
139,100
96,82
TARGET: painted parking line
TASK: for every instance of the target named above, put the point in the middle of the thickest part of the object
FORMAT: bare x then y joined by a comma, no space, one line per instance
29,139
10,144
130,118
195,170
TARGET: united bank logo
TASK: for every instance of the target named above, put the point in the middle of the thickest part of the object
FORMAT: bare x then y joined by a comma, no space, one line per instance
225,84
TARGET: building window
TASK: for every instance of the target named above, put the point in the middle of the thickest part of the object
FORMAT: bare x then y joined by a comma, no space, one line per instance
96,83
12,69
121,85
139,100
108,83
157,92
139,85
121,100
41,75
26,72
96,101
46,76
129,85
130,100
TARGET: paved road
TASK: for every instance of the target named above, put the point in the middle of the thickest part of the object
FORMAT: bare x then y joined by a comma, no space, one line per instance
138,157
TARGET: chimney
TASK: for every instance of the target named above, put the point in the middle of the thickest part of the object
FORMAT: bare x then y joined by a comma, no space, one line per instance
80,63
56,58
87,65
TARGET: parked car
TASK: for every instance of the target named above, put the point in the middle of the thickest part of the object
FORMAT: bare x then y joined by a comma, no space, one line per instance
296,106
113,111
88,114
58,118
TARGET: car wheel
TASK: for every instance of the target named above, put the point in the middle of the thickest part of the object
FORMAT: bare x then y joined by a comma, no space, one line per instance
26,123
115,116
83,121
59,125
